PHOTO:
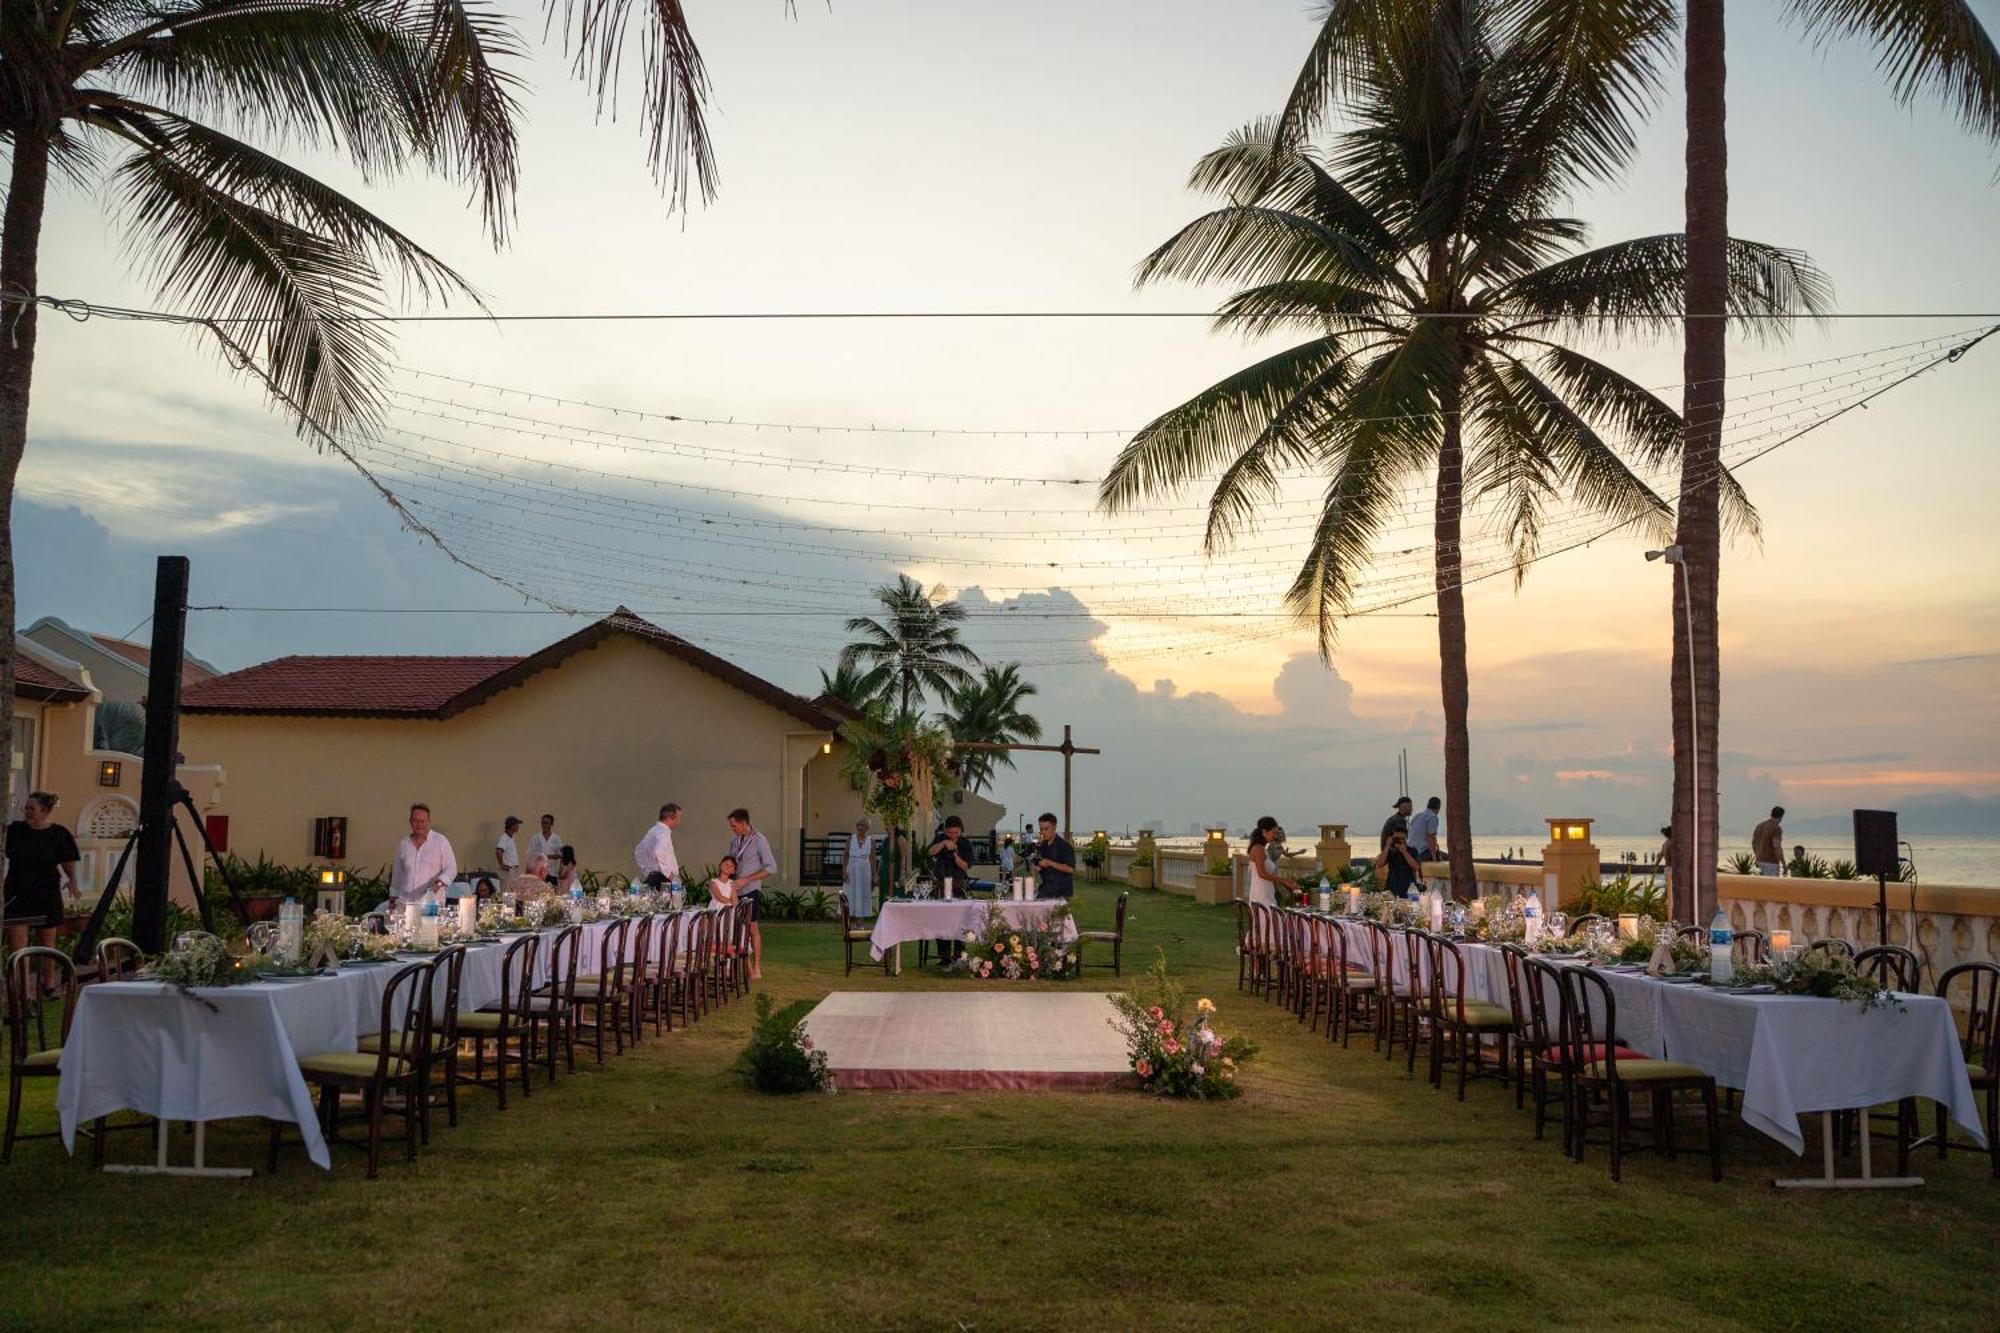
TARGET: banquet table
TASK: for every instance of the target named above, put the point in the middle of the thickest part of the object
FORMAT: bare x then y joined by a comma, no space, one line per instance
1789,1055
901,923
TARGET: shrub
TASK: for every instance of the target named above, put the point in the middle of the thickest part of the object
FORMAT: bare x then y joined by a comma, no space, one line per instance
1620,897
818,906
1743,864
780,905
1141,860
1221,865
781,1058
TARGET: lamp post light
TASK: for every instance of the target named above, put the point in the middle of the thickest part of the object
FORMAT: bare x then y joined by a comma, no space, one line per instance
1674,555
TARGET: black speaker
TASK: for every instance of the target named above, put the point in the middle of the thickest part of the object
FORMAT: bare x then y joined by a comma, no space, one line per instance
1875,843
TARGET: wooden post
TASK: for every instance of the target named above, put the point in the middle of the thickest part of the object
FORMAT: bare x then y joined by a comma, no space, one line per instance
152,868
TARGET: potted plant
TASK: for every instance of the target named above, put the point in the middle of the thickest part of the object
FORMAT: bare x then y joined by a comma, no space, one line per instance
1216,883
1140,875
1094,853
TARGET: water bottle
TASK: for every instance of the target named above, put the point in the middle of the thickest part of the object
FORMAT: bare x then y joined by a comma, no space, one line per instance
1531,917
1721,947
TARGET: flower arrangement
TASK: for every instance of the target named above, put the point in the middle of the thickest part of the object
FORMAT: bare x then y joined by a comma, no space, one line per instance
199,959
330,931
1817,972
1173,1055
781,1058
1019,953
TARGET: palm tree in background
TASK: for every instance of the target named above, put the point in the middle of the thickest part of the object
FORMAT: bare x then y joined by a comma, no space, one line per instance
988,711
849,685
163,103
1924,48
915,642
1425,262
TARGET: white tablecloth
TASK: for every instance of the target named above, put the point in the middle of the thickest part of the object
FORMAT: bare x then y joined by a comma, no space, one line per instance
907,922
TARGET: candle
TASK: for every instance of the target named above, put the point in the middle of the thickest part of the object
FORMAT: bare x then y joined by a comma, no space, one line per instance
1628,926
1781,941
1354,900
468,914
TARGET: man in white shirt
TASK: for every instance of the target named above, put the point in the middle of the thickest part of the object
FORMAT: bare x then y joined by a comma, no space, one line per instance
546,843
655,852
424,860
506,851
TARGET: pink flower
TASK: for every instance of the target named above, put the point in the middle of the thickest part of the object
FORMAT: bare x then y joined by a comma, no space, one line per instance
1172,1047
1155,1013
1196,1070
1144,1068
1166,1027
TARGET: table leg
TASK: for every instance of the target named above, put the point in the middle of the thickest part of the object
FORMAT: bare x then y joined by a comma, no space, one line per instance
1830,1179
200,1167
896,961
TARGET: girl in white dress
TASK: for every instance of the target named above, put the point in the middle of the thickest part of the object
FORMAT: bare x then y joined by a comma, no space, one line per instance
858,881
1267,842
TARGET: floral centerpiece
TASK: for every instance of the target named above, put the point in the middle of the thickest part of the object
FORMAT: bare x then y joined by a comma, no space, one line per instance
1822,973
199,959
332,933
1019,953
1173,1055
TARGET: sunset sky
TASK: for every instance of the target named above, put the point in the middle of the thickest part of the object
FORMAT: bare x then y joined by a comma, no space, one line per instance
898,155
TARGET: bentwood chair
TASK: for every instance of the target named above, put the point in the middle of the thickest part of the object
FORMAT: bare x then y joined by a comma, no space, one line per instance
1691,934
30,1053
640,967
1833,944
1891,965
1515,957
118,958
1461,1023
600,995
1579,924
1357,987
439,1051
1421,1031
1973,991
406,1023
1590,1035
1542,1001
1243,943
503,1022
1750,948
668,976
550,1008
1382,957
688,971
1115,937
852,935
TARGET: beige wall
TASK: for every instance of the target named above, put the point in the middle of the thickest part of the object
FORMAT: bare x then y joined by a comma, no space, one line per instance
118,679
832,805
601,741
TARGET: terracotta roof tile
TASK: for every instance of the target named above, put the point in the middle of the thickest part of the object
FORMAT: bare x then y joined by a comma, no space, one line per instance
389,686
34,681
142,655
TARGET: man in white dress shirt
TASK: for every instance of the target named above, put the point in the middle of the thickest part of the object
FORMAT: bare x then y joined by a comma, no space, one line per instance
424,860
505,850
655,853
546,843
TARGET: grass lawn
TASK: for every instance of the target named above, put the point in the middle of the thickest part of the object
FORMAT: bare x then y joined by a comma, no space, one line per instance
1336,1193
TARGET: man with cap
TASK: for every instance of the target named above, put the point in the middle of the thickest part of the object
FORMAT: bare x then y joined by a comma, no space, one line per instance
1400,820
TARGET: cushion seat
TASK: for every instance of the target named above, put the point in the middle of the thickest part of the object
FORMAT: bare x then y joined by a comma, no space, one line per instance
1359,981
1554,1055
44,1059
479,1020
1102,936
373,1043
592,990
1645,1071
1977,1073
350,1064
1479,1014
859,935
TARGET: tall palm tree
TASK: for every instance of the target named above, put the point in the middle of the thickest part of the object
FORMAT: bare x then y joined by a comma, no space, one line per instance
1925,48
1424,260
988,711
290,269
862,691
915,641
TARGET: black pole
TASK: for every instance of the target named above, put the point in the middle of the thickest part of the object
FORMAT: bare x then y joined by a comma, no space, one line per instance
1882,910
153,868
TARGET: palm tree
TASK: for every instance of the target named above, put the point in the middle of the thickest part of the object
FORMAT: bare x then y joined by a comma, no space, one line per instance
1925,47
862,691
182,89
915,642
1423,260
987,711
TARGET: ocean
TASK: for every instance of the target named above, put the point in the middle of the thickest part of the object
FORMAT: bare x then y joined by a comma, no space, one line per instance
1941,858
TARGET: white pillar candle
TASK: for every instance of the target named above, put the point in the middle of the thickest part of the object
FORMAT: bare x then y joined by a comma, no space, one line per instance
468,914
1628,926
1781,941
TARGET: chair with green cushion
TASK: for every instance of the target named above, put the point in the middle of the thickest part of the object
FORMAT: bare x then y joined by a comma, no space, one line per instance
503,1022
851,935
599,996
30,1053
637,978
1515,957
1356,985
440,1047
1243,944
1417,997
1973,992
668,976
689,968
1460,1023
1382,962
1599,1065
1115,937
406,1021
551,1006
652,1000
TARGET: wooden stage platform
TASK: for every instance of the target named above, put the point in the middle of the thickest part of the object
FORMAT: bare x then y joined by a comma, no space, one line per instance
970,1041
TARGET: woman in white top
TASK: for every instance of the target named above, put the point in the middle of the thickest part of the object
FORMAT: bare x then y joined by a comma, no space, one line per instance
569,874
724,892
1267,843
858,881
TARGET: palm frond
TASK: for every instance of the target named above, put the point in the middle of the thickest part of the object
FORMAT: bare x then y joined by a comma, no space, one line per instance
1636,287
1244,243
1344,50
1593,70
1924,47
1634,414
673,108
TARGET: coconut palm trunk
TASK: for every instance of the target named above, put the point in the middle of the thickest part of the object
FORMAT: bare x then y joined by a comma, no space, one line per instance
1454,678
20,245
1697,674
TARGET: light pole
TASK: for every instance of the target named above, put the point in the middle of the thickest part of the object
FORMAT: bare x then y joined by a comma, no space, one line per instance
1673,555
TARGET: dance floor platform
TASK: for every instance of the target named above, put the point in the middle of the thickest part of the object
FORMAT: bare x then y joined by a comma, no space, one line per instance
983,1041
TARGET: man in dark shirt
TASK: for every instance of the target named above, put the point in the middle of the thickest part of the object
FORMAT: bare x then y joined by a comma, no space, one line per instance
949,866
1397,868
1056,860
1399,820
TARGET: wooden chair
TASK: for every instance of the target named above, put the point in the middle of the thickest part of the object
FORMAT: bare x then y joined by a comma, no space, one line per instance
672,983
1587,1042
1416,995
690,974
1357,987
1579,924
1515,957
1115,937
504,1022
1832,944
1691,934
852,935
1893,966
118,958
1980,984
30,1053
1243,942
600,996
1461,1023
636,977
551,1007
1382,959
439,996
1750,948
406,1026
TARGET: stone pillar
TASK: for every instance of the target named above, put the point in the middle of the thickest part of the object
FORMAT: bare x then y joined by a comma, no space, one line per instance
1568,863
1145,845
1335,855
1216,847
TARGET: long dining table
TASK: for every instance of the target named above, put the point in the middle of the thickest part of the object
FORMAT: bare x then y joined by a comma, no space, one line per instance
218,1053
1789,1055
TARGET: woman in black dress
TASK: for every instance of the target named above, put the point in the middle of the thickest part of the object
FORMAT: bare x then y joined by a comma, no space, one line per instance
40,853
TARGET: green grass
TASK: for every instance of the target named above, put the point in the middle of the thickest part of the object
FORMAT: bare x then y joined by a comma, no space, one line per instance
1335,1192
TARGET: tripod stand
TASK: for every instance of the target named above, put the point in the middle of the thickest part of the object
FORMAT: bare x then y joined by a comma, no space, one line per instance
87,941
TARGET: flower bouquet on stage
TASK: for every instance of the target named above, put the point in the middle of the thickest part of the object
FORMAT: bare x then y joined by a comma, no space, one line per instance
1036,951
1173,1054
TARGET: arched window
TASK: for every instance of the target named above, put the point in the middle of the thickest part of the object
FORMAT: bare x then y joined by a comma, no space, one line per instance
112,817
